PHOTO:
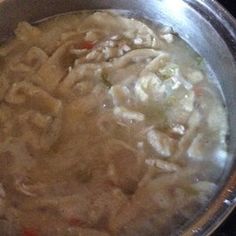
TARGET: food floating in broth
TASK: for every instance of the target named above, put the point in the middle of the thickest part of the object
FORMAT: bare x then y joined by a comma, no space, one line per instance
108,127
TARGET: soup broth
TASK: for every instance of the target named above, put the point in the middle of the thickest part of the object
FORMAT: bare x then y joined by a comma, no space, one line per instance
108,126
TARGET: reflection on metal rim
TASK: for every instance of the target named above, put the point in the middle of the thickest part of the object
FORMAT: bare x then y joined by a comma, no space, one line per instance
225,202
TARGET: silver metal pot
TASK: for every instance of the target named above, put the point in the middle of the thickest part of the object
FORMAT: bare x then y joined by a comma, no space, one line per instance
206,26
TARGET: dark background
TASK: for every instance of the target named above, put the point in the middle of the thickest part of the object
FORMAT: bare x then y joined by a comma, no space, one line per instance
230,5
229,226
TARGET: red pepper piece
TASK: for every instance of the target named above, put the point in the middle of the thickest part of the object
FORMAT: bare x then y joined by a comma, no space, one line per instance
30,232
87,45
75,222
198,91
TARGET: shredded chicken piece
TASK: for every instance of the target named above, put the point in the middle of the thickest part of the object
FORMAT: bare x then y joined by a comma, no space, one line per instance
120,94
128,115
164,165
135,56
23,188
162,144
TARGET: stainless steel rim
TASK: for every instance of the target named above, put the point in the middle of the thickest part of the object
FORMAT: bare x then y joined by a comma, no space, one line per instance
225,201
222,21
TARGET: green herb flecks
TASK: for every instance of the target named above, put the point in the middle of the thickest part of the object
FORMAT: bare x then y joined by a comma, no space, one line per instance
199,61
169,71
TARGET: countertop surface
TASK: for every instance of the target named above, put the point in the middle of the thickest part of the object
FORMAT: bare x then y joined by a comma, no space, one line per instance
228,228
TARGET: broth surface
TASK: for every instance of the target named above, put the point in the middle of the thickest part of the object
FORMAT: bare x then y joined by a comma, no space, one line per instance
107,127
